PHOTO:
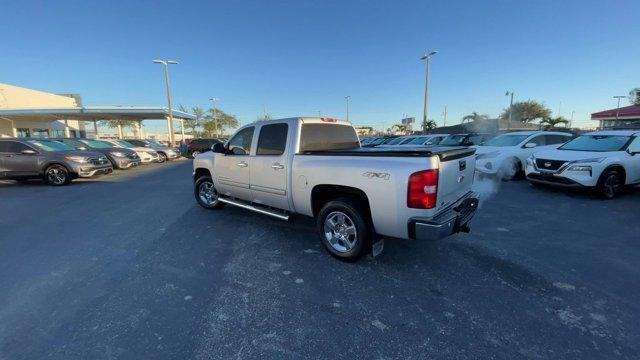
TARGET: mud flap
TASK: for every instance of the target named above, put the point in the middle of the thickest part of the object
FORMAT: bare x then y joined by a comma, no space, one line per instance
377,246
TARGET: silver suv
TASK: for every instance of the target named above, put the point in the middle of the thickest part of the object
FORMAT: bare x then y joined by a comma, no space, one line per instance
56,163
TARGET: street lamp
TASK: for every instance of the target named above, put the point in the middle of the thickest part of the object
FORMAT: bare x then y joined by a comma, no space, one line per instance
618,107
215,115
347,98
510,108
426,57
166,64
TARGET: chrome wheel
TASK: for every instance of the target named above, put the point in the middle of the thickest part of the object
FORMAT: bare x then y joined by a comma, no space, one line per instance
56,176
207,193
340,231
195,153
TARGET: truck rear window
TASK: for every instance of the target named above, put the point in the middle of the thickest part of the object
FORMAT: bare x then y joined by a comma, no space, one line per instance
320,137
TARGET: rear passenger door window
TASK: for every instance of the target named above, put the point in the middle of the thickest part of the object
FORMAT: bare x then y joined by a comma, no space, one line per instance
539,140
272,140
17,148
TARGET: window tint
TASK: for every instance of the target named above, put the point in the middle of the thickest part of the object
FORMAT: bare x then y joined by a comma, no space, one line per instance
319,137
240,144
557,139
634,147
13,147
539,140
596,143
273,139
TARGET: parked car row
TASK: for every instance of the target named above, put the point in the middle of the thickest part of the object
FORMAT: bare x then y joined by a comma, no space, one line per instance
59,161
604,161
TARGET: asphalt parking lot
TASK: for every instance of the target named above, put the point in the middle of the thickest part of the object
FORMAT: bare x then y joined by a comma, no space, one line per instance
129,267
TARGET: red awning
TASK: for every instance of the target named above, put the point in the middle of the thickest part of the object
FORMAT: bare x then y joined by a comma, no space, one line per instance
627,111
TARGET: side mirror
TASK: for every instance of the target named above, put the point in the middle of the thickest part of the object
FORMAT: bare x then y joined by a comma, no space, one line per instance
28,152
530,145
218,148
632,152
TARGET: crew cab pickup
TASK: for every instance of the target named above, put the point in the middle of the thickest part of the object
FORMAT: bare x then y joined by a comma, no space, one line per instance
358,196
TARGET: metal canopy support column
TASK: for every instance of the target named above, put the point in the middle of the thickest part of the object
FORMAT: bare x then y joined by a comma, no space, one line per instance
182,128
120,131
95,128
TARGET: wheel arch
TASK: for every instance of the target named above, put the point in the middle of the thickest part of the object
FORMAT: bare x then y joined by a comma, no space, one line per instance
200,172
323,193
617,167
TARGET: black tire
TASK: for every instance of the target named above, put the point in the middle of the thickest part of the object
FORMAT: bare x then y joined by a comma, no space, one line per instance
357,217
202,199
537,185
610,184
57,175
162,157
514,174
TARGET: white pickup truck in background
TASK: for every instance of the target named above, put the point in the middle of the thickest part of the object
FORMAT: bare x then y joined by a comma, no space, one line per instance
316,167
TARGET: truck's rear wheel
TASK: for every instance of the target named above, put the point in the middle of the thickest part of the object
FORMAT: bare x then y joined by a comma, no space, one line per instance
344,229
206,193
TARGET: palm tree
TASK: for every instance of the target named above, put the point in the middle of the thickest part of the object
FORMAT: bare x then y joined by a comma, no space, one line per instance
196,123
552,122
474,116
217,120
429,125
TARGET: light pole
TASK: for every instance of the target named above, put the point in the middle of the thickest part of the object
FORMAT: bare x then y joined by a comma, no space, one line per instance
346,99
426,57
215,114
166,64
618,107
510,108
571,121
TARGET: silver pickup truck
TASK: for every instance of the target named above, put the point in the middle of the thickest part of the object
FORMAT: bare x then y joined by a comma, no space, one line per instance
358,196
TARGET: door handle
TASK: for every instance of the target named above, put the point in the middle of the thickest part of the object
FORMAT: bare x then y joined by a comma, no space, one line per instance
277,166
242,164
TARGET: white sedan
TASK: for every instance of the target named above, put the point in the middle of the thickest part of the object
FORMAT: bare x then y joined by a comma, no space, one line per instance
604,160
146,155
504,155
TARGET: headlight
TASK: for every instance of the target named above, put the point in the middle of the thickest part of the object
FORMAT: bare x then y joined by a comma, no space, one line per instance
490,155
78,159
594,160
529,161
580,168
118,154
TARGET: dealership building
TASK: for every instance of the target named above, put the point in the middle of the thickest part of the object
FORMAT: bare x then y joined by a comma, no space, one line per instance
627,117
32,113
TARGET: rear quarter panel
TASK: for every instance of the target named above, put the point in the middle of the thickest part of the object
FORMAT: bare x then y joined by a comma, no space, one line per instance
383,179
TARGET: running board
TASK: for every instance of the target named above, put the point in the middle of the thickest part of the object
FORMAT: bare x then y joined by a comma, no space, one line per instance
244,205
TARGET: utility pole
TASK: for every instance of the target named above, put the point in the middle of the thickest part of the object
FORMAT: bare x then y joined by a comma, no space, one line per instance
347,98
445,115
166,64
426,57
214,100
510,109
618,107
571,121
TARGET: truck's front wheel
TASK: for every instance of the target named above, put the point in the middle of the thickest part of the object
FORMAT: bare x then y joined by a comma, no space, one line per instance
344,229
206,193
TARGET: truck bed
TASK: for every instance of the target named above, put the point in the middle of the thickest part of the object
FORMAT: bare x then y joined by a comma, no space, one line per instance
445,153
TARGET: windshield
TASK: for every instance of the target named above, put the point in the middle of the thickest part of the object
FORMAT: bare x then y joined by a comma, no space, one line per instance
96,144
597,143
154,143
506,140
395,141
418,141
50,145
123,143
453,140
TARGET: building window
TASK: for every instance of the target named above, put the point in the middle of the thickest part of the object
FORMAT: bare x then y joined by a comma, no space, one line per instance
58,133
40,133
23,132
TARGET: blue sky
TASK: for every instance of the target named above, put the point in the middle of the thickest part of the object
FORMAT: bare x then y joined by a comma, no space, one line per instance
301,57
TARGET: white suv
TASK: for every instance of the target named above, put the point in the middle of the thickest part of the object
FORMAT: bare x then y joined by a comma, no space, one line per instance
604,160
504,155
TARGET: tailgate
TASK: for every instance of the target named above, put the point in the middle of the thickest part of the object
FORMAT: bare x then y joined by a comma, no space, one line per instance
456,175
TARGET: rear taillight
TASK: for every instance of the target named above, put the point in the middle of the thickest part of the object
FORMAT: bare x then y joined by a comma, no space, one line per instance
422,189
328,120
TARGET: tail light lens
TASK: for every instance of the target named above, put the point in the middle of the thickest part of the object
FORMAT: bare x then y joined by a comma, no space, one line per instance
422,189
